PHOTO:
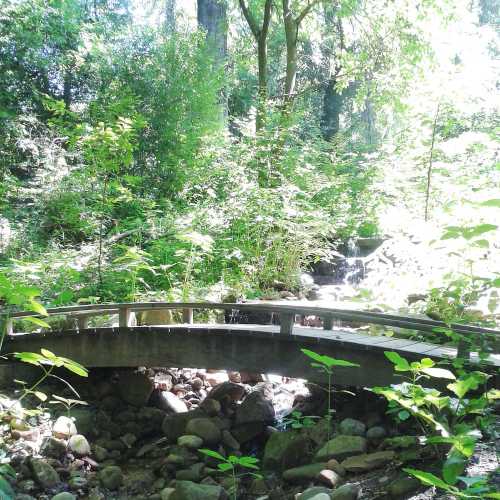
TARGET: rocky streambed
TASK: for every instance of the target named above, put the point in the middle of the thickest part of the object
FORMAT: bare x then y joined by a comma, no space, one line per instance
140,434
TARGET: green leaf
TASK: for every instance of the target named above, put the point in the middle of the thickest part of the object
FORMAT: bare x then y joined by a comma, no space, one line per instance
37,321
211,453
428,478
6,489
491,495
401,364
37,307
403,415
453,467
439,373
225,467
40,395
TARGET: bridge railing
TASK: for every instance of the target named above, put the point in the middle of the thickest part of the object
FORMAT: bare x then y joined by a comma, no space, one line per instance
286,313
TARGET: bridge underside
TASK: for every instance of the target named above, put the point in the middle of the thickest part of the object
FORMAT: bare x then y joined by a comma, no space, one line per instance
254,348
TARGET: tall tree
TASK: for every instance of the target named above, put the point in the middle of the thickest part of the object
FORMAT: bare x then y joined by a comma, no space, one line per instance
260,33
170,18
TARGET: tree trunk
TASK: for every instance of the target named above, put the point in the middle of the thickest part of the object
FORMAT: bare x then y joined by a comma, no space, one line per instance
332,107
170,21
212,17
262,91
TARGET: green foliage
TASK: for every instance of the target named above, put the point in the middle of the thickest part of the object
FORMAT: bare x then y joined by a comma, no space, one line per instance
7,475
325,364
453,422
298,421
232,464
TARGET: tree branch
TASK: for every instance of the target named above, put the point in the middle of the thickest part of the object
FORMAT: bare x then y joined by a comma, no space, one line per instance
306,11
252,23
267,17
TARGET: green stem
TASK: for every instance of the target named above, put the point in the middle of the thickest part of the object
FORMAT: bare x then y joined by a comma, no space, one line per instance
31,389
329,419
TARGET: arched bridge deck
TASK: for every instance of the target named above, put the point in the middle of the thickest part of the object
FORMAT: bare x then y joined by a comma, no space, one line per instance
249,347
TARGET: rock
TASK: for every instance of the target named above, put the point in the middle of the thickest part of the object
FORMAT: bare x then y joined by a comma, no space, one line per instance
252,416
304,473
44,473
100,453
346,492
329,478
167,493
333,464
352,427
84,419
111,477
229,441
64,427
52,447
211,406
368,461
205,429
77,482
174,426
135,388
285,450
64,496
341,447
258,487
315,493
27,486
139,481
403,486
79,445
187,490
227,392
192,442
169,402
194,473
376,433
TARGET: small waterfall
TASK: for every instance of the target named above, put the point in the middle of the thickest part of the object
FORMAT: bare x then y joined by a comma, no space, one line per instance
354,265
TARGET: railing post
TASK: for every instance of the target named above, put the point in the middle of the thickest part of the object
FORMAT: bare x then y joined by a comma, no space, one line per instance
328,323
187,316
124,317
82,322
9,326
287,321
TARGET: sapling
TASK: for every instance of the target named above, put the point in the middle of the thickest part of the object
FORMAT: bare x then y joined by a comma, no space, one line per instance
326,364
230,465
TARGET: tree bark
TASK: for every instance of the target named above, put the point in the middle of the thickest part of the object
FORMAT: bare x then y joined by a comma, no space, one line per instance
170,20
260,35
212,17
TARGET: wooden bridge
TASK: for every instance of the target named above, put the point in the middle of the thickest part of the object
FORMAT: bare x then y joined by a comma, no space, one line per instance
262,348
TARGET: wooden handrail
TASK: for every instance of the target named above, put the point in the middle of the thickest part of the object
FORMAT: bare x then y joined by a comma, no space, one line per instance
328,314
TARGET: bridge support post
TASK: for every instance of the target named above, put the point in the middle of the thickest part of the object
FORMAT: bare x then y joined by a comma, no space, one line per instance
327,323
187,316
287,321
124,314
82,322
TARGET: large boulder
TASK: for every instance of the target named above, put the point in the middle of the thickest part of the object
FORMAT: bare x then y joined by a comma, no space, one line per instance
79,445
135,388
346,492
252,417
111,477
341,447
188,490
168,401
285,450
352,427
206,429
44,473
